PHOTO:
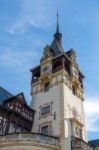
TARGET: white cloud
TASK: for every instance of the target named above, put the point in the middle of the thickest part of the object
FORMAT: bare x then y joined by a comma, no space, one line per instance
17,61
32,12
92,113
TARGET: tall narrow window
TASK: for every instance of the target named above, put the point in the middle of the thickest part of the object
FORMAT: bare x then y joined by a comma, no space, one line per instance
74,90
46,87
44,129
78,132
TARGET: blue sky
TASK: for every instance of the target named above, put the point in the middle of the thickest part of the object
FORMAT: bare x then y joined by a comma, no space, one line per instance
27,26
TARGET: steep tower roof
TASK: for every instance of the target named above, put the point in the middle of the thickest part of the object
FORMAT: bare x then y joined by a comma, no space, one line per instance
4,95
56,45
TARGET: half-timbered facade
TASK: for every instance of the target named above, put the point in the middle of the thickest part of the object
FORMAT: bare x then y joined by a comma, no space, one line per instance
15,115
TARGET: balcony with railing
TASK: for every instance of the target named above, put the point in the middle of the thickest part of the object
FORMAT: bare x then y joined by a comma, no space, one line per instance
79,144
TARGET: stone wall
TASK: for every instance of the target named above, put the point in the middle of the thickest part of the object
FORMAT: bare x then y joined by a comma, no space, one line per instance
28,142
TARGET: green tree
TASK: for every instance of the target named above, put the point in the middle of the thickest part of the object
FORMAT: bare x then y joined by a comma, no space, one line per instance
97,148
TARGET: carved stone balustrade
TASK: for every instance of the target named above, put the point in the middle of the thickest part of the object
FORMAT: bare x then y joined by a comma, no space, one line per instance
28,138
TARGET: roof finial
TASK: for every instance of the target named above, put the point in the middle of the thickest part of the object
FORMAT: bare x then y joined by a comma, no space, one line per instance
57,29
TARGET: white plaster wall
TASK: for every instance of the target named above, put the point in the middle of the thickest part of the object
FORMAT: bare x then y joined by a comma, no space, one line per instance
63,101
71,101
42,98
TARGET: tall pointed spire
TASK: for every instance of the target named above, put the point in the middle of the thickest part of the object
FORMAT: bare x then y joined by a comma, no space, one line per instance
56,45
57,29
57,35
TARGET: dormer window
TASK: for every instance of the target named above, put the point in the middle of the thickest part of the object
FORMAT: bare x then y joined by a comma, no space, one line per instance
46,87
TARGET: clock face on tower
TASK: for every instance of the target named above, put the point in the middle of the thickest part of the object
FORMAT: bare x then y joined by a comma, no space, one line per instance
45,69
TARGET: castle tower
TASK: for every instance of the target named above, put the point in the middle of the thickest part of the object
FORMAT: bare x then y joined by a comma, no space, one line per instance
57,94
